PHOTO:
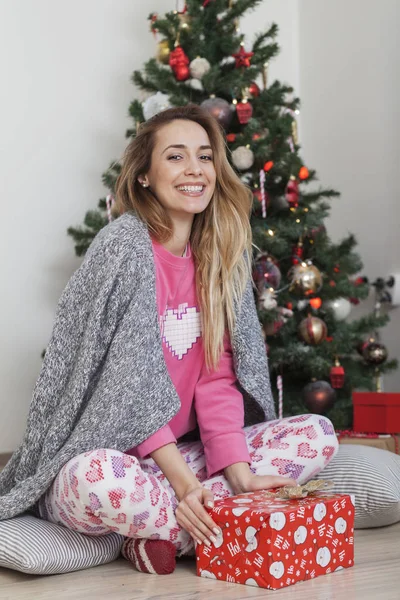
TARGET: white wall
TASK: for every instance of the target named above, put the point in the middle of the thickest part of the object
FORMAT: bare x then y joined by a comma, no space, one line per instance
66,74
350,86
66,70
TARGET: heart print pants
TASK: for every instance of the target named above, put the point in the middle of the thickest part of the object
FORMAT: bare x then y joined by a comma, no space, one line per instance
106,490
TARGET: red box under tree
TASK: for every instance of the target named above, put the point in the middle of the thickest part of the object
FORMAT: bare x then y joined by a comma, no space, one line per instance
376,412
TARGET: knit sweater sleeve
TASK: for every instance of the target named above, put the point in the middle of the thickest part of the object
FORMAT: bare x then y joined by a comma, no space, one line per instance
220,414
87,315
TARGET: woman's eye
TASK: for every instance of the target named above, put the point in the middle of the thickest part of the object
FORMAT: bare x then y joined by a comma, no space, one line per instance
206,156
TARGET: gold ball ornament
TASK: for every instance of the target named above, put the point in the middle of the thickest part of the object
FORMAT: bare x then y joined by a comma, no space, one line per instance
312,330
163,52
306,279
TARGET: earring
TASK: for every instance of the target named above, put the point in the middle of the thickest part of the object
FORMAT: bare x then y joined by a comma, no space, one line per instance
145,184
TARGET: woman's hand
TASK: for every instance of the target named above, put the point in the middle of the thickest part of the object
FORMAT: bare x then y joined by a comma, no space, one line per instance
266,482
241,479
192,516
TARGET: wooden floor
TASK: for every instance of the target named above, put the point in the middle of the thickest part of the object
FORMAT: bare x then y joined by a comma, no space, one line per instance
375,576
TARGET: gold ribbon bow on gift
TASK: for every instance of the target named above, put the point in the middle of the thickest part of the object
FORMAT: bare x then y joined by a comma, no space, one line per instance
301,491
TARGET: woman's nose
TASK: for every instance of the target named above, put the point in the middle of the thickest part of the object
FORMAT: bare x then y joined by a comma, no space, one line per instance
193,167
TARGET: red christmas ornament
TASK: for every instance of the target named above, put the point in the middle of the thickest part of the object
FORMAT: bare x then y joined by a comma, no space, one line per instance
268,165
292,192
254,90
179,62
360,281
316,303
289,305
337,375
304,173
297,253
242,58
153,18
231,137
256,136
244,111
354,301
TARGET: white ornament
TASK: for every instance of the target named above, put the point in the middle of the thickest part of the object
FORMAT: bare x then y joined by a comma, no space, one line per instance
341,308
246,178
243,158
319,511
302,304
227,60
277,569
277,521
155,104
300,535
285,314
340,525
199,67
323,557
268,299
195,84
250,536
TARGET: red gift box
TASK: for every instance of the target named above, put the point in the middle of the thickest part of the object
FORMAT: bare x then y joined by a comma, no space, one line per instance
376,412
272,543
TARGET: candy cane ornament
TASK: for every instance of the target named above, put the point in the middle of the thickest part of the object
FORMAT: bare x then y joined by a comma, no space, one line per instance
263,198
280,396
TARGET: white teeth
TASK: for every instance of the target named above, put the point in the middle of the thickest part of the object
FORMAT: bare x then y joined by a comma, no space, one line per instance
190,188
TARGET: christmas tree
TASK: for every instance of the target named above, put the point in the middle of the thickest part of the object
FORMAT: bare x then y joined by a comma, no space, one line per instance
305,283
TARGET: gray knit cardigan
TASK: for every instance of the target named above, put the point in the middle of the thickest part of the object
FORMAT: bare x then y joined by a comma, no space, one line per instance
104,382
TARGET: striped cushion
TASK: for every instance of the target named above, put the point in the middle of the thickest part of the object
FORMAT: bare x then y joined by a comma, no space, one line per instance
38,547
373,476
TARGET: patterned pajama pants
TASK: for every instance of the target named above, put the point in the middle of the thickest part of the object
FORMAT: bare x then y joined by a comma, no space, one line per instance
106,490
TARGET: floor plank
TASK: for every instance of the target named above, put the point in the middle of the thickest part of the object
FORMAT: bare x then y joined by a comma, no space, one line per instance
375,575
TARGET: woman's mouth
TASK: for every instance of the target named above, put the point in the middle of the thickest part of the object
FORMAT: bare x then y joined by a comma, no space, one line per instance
191,190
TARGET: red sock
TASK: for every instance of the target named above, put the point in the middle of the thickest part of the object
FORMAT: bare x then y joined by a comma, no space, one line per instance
150,556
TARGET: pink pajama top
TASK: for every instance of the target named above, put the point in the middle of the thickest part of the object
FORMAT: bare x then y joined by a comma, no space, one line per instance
210,400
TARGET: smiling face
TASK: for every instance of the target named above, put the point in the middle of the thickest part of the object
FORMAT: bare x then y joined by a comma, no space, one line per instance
182,174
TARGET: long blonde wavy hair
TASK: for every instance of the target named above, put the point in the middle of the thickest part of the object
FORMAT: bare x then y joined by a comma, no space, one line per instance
221,236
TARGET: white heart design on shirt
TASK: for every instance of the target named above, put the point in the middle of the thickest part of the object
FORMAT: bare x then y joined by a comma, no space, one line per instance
180,329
